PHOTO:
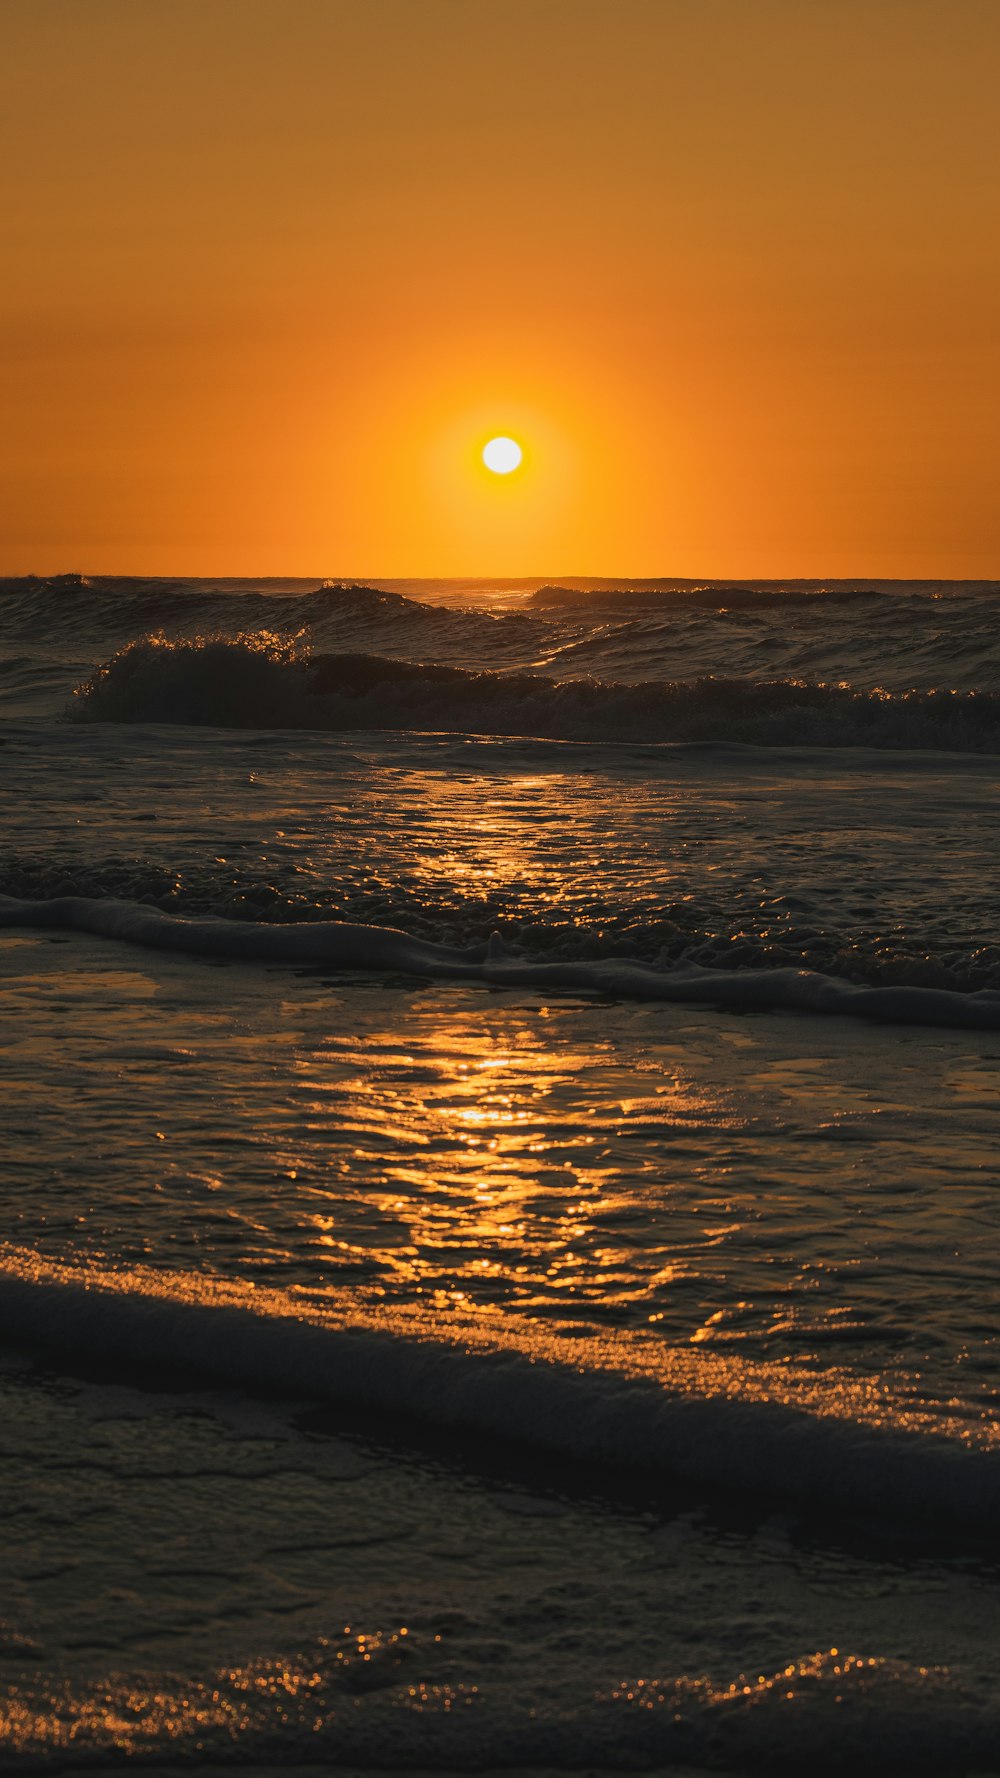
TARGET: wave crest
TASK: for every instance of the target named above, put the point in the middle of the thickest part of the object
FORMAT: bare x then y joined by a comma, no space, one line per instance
713,596
710,1418
263,679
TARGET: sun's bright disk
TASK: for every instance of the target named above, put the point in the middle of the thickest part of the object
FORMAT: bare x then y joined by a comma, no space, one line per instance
502,455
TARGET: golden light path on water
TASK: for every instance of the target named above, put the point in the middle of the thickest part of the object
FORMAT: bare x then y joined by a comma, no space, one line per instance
545,1169
586,1227
516,1207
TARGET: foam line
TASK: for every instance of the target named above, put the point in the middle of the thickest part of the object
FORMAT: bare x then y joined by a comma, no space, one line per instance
773,990
716,1420
343,946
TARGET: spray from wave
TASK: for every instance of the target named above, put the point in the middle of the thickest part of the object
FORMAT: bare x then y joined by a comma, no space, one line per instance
263,679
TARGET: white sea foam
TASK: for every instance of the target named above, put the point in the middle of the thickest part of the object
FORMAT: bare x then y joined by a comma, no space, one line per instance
712,1418
344,946
825,1712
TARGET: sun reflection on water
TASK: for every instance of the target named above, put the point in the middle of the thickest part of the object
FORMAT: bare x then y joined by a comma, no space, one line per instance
488,1189
533,1168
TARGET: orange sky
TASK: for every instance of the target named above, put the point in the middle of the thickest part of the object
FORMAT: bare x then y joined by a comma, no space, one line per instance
275,269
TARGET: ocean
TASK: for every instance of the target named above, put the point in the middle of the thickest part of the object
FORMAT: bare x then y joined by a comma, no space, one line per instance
501,1097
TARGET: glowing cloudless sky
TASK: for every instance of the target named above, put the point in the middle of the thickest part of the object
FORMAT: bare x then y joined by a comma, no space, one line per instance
276,270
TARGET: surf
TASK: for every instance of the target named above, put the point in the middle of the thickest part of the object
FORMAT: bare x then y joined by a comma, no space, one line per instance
714,1419
341,945
265,680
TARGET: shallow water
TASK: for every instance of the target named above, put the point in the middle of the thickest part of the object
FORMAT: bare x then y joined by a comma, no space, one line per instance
407,1613
547,1162
872,866
643,1353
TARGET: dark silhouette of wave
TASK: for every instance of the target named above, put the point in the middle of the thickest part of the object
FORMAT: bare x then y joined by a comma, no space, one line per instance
711,597
264,680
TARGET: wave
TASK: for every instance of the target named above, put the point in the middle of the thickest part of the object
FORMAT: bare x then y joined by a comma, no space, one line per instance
723,934
716,1419
713,596
73,610
384,1700
341,945
266,680
906,634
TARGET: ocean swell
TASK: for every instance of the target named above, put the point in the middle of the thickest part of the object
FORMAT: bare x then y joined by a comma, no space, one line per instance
72,612
711,596
265,680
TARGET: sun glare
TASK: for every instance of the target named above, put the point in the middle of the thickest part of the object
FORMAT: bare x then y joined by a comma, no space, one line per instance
502,455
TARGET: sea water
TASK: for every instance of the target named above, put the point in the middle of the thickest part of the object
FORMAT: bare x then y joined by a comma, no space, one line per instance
579,1355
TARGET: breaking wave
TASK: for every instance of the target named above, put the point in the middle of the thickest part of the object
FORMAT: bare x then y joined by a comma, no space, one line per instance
342,945
261,679
384,1700
732,933
72,612
710,1418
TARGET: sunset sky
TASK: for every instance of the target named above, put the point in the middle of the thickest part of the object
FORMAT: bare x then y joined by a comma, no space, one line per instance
275,270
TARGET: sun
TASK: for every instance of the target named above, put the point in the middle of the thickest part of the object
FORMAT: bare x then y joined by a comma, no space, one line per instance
502,455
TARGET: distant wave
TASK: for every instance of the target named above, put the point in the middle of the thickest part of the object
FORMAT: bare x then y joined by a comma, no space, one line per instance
73,604
713,596
715,1419
666,636
70,616
265,680
341,945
